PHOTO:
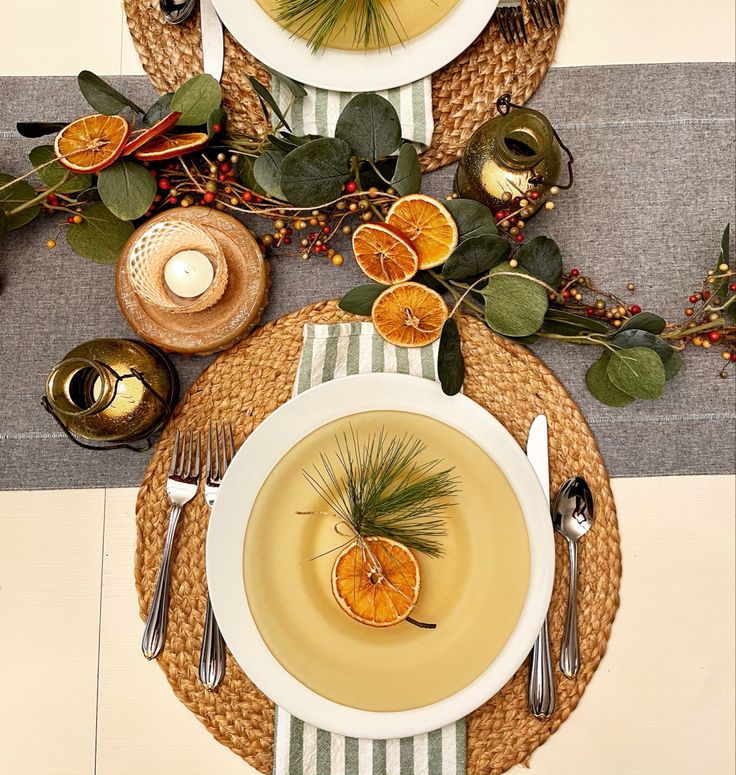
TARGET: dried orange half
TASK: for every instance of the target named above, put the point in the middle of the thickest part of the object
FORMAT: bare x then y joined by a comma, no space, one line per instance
409,315
142,136
428,225
384,254
164,147
376,581
91,143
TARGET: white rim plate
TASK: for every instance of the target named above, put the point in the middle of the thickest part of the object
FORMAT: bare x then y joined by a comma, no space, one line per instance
268,443
355,71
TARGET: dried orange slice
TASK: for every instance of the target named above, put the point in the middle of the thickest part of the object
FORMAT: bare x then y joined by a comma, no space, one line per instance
164,147
428,225
91,143
409,315
384,254
376,581
141,137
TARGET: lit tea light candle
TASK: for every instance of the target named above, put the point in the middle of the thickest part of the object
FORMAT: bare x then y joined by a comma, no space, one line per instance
188,273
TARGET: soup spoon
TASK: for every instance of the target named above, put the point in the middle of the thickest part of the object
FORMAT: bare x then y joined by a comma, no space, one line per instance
177,11
572,517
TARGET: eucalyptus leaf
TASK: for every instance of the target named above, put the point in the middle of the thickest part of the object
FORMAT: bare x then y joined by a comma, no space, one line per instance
282,143
293,86
244,167
542,258
475,256
160,109
644,321
636,338
267,172
3,223
265,96
725,247
100,236
672,365
370,125
407,177
103,97
298,139
360,299
472,218
638,372
515,304
377,173
38,128
195,99
557,321
601,386
127,189
15,196
218,117
450,361
52,174
719,288
315,173
425,277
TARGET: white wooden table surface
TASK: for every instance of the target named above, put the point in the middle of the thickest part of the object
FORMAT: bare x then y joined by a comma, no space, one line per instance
77,697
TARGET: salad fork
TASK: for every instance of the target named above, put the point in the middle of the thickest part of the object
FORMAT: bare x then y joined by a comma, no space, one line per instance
544,13
510,20
220,451
181,487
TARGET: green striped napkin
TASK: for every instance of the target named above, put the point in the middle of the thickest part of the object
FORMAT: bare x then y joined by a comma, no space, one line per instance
317,113
332,351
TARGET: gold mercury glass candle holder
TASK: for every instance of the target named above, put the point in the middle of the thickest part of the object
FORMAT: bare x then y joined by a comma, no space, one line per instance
153,250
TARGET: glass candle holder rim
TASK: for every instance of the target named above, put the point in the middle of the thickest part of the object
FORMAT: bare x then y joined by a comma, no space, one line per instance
102,371
536,124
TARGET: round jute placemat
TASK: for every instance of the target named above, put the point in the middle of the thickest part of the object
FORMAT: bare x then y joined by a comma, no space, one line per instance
243,386
463,93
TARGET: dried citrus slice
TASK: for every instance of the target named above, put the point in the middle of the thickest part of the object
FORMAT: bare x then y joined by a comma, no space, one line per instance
384,254
141,137
164,147
427,224
409,315
91,143
376,581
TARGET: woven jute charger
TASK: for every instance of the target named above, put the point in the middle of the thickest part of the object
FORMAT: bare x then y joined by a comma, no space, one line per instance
463,93
243,386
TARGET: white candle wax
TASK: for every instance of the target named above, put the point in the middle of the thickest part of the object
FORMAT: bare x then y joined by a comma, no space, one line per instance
188,273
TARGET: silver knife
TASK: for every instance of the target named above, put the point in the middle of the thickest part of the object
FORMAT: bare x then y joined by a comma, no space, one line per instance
213,44
541,688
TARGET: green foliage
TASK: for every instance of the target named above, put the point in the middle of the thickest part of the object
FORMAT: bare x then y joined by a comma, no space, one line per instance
38,128
557,321
16,195
218,117
638,372
515,304
160,109
3,223
472,218
295,88
635,338
644,321
541,258
127,189
407,177
267,101
370,125
602,388
103,97
360,299
101,236
475,256
314,174
195,99
267,172
52,174
450,361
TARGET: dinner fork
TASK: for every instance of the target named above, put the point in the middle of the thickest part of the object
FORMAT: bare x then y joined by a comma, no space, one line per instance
220,451
510,20
181,487
544,13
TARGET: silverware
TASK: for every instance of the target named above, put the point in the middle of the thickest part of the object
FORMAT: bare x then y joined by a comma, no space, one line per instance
544,13
220,451
181,487
573,516
213,43
176,11
541,695
510,20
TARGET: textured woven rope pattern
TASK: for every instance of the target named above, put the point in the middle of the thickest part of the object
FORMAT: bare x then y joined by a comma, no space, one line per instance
246,384
463,93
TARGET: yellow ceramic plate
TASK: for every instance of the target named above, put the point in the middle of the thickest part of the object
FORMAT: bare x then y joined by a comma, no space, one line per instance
273,602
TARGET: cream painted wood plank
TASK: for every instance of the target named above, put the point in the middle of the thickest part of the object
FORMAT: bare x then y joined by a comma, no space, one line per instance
662,701
130,64
50,573
142,726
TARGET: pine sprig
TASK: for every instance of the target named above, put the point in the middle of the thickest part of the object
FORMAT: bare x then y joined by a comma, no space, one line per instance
318,20
378,488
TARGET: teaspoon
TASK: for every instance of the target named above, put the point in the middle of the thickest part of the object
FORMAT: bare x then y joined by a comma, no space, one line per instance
573,516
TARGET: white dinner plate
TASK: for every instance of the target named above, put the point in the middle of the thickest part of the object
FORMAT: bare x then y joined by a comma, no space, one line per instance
354,71
258,457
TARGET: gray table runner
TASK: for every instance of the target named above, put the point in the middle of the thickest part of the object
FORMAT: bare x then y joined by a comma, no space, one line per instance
654,167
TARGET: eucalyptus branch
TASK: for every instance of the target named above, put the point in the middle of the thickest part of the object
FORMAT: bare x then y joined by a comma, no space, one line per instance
43,195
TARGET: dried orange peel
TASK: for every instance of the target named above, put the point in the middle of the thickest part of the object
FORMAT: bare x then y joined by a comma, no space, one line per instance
409,314
91,143
428,225
384,254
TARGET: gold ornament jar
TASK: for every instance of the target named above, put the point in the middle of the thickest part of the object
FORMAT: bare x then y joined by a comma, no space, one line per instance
514,156
112,391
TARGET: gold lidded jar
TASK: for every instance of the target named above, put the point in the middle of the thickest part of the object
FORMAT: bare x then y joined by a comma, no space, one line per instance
511,154
111,390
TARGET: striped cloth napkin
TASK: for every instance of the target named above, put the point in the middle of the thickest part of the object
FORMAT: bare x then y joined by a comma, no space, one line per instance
317,113
332,351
